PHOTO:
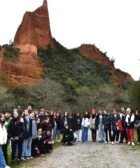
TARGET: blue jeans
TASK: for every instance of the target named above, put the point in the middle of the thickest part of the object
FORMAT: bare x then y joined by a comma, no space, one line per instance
58,134
26,147
100,132
84,134
54,134
2,160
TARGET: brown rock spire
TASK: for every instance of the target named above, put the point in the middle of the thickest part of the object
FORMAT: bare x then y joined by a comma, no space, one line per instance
35,28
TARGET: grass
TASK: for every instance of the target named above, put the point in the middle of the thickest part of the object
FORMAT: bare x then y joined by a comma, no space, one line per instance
32,161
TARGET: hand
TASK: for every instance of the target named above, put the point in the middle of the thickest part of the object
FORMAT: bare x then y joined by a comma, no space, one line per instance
12,139
16,138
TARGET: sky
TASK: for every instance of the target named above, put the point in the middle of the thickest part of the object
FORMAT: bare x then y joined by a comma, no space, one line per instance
112,25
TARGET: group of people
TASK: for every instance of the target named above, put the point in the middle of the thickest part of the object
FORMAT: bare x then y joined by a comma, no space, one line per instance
32,133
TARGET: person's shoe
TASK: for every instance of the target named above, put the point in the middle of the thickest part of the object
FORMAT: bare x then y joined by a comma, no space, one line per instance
106,142
52,142
138,143
7,167
31,157
133,143
58,141
22,158
42,155
117,142
28,158
128,143
112,143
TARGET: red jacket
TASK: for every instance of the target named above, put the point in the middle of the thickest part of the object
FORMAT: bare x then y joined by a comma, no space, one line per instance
120,126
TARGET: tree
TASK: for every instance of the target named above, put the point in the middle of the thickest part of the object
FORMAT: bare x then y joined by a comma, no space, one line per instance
134,95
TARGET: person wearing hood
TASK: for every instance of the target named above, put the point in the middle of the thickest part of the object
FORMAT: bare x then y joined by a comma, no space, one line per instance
85,126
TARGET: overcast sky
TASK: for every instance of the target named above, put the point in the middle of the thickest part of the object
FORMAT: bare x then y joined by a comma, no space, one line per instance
112,25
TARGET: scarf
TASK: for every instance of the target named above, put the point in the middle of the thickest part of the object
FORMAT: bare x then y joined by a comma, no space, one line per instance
132,117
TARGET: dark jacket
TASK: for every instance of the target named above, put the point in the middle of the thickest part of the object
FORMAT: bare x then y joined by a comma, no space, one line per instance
15,129
97,121
74,123
137,122
114,121
27,133
38,143
79,121
59,123
52,121
107,121
42,118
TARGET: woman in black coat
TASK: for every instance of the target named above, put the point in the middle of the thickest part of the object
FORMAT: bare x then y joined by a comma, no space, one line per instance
114,119
59,126
107,126
67,135
15,133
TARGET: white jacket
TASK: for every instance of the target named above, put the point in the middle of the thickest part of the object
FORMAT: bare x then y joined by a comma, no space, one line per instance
85,122
3,135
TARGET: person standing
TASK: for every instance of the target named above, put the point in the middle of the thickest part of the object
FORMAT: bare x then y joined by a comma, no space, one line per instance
107,126
93,125
100,126
123,134
114,121
137,125
85,126
3,141
15,132
130,118
59,126
27,136
79,120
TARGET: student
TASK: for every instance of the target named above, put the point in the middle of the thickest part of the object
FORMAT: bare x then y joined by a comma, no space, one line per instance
130,118
53,125
41,115
99,126
59,126
74,125
79,121
67,135
27,136
93,125
66,119
45,125
123,134
38,144
137,125
107,126
85,126
3,141
47,141
8,119
15,132
114,120
34,125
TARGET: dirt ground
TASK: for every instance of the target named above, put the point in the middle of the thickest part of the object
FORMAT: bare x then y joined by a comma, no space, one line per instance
90,155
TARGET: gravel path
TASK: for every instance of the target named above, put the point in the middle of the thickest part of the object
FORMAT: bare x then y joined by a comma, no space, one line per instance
90,155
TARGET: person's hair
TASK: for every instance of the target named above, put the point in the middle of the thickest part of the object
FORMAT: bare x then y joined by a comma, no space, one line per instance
1,122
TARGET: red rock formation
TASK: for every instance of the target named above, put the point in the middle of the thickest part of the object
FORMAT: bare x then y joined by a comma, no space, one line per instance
34,31
35,28
94,53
